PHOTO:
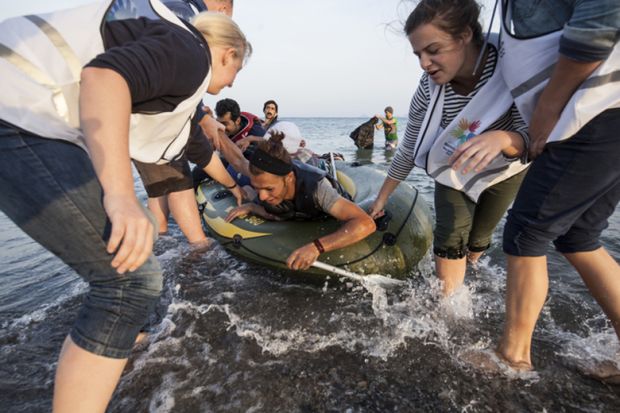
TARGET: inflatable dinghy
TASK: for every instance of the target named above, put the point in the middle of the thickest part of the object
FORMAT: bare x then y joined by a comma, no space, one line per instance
402,238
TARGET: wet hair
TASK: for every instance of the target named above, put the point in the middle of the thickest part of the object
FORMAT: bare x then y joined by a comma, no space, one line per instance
389,109
272,102
451,16
228,105
273,147
221,31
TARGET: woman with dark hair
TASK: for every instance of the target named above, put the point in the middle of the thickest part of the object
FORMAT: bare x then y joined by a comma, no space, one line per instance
290,189
463,129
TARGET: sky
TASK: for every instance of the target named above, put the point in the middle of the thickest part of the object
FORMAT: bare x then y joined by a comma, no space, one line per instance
316,58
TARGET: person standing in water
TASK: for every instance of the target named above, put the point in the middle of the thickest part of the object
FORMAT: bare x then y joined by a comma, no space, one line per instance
86,89
573,185
169,186
463,129
389,124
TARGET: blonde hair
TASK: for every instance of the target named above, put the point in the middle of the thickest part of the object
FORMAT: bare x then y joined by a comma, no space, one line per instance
221,31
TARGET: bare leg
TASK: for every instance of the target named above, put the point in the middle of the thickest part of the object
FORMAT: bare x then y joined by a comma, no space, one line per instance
601,274
84,381
451,272
159,208
473,257
185,212
526,290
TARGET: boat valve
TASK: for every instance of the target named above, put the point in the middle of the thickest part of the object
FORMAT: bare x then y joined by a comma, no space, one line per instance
236,240
389,239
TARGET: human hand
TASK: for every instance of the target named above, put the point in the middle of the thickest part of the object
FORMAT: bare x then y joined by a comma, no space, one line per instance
377,208
302,258
132,236
214,130
478,152
207,111
243,144
541,126
239,194
240,211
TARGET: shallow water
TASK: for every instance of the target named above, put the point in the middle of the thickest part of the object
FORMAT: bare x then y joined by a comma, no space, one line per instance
239,338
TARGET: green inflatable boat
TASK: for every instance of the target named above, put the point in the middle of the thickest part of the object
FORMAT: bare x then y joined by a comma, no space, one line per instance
402,238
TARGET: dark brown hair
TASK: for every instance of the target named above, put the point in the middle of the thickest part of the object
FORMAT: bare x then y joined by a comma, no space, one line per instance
451,16
274,147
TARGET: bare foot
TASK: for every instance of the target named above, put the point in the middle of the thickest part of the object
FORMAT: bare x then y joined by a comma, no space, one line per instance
490,361
606,371
141,342
201,246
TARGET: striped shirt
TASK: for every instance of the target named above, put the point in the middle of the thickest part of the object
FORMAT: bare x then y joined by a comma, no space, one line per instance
403,162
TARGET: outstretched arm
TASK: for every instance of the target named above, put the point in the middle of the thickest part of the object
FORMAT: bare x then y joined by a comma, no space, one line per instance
250,208
245,142
215,169
357,226
105,108
227,148
389,185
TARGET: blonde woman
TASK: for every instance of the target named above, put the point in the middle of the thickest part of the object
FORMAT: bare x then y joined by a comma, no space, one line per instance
85,89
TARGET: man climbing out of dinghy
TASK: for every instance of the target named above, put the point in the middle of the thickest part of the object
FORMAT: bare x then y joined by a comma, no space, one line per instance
290,189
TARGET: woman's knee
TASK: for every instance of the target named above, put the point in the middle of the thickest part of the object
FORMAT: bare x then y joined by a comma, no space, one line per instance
115,309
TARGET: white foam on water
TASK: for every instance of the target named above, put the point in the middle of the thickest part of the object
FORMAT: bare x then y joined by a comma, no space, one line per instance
589,352
41,313
163,397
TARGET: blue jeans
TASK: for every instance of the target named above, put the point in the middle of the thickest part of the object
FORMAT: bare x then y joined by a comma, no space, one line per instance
50,190
569,192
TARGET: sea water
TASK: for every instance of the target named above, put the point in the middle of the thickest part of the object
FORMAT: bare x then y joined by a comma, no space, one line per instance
235,337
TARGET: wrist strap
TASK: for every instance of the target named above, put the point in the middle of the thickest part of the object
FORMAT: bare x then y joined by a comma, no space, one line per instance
232,187
319,246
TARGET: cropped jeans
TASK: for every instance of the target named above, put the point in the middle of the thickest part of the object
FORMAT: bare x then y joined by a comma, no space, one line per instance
569,192
49,189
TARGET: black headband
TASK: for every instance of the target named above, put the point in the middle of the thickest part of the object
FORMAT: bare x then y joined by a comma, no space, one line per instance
265,162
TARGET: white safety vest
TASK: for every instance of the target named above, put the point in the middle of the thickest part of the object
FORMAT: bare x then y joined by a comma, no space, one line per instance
527,64
435,145
41,59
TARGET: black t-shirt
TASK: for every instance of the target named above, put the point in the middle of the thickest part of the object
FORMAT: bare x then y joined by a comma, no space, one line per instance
163,64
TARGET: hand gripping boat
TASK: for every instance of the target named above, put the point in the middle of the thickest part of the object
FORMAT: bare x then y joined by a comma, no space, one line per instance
402,238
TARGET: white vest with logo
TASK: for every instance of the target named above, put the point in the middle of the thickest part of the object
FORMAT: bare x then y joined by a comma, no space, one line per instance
527,65
41,59
435,145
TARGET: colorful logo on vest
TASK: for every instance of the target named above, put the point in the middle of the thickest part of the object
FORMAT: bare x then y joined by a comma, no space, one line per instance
465,131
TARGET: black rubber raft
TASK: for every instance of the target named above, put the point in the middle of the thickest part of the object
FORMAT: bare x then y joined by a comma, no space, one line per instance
402,238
